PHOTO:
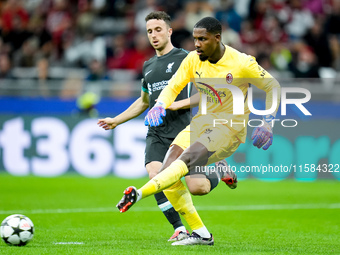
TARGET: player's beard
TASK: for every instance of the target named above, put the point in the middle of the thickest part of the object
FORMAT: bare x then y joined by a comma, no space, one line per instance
203,57
161,47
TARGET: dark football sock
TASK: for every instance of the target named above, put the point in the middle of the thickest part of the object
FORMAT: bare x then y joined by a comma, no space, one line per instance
168,210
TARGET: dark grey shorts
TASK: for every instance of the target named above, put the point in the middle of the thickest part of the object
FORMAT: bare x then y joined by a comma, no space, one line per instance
156,148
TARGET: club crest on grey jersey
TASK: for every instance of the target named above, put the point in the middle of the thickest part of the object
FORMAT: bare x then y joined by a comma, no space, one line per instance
158,86
169,70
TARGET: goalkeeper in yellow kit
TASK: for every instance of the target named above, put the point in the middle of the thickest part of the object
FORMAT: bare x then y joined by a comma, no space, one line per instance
206,141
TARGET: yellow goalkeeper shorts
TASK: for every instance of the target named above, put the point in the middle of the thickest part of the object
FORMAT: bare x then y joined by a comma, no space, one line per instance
219,140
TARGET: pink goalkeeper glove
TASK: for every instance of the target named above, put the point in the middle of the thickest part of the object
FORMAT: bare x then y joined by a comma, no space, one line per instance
154,116
263,136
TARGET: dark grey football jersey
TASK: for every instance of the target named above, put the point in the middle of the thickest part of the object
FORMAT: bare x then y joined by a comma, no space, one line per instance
157,72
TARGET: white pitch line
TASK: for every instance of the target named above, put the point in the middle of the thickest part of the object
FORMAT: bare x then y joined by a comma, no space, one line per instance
199,208
69,243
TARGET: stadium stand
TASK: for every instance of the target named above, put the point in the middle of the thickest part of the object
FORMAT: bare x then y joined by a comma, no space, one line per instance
46,43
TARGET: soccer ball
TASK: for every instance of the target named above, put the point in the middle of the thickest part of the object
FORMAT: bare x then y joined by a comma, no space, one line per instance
17,229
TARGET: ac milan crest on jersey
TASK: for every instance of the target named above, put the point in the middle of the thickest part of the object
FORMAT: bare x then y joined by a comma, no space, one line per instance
229,78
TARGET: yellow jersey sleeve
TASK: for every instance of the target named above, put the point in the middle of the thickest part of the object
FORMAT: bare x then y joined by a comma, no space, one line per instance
178,81
262,80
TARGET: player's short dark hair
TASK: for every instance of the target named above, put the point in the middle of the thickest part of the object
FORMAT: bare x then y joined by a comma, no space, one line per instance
211,24
160,15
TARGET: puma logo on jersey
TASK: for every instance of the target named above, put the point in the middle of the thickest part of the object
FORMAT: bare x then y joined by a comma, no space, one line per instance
169,70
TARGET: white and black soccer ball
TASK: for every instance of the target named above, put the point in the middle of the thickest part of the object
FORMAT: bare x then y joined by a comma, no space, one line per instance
17,229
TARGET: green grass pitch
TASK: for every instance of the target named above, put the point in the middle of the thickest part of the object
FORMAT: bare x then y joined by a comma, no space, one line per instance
77,215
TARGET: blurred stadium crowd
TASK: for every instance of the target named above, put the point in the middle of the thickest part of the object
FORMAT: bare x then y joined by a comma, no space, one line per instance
105,40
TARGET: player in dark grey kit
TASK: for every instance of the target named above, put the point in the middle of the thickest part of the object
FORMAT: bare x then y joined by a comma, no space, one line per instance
156,73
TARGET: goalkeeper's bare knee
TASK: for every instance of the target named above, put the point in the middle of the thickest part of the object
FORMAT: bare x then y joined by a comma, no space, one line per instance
153,168
198,184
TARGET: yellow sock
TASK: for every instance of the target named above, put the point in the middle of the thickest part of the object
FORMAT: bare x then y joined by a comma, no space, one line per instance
180,198
164,179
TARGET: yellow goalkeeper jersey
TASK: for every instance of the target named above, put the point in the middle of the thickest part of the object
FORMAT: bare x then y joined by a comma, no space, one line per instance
215,83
